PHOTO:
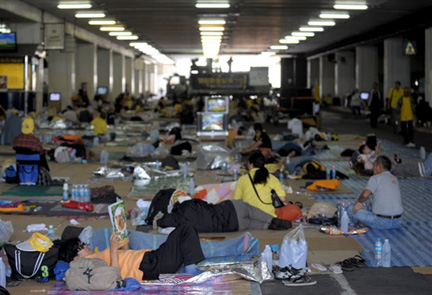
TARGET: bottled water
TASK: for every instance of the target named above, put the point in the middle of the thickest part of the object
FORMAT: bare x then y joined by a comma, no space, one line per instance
281,176
74,192
344,221
95,141
378,252
333,176
191,187
65,191
287,162
184,169
339,213
386,254
104,157
82,193
235,173
327,173
51,233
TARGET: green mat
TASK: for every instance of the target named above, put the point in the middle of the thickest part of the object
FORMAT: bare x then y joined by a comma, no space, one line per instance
34,190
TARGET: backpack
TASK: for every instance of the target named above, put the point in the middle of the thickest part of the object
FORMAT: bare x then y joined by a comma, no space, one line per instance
159,204
11,175
92,274
313,166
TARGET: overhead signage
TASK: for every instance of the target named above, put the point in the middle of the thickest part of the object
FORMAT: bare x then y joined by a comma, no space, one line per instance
54,36
410,48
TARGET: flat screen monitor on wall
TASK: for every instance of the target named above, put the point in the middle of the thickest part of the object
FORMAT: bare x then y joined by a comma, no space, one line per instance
218,104
8,42
212,124
102,91
54,96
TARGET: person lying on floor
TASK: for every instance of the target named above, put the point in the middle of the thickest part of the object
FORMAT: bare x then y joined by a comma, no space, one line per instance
367,156
181,247
405,169
296,148
227,216
386,204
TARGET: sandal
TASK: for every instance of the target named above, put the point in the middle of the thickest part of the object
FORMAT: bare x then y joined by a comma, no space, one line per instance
346,265
300,281
319,267
358,261
336,269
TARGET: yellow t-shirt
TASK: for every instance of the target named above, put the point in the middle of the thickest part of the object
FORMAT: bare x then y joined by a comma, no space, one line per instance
394,96
128,261
245,191
406,109
100,126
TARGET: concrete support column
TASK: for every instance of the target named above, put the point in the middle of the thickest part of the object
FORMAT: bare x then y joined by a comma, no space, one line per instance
105,70
428,65
397,67
344,73
326,76
151,78
61,71
138,83
39,84
144,78
313,67
128,74
366,67
86,67
119,81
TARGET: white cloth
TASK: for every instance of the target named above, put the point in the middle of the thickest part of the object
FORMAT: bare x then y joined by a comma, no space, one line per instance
296,126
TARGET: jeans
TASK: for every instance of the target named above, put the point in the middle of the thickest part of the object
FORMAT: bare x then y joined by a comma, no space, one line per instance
372,221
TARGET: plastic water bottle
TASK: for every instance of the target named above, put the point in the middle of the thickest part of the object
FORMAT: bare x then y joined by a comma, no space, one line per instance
339,213
267,256
104,157
81,193
333,174
281,176
386,254
422,153
344,221
51,234
191,187
50,230
287,162
73,192
327,173
235,173
2,273
96,140
378,252
184,169
65,191
157,164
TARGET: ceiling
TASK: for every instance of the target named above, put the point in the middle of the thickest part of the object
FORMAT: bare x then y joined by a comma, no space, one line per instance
252,25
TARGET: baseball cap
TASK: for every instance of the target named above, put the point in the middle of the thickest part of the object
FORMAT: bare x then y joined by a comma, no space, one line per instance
27,126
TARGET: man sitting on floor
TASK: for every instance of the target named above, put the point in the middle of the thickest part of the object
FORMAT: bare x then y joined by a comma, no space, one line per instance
181,247
386,204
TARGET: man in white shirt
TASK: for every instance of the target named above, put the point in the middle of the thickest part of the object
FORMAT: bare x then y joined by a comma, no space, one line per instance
296,127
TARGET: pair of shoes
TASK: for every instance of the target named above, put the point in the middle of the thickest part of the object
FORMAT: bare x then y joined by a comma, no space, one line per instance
336,269
357,261
345,265
301,281
411,144
288,273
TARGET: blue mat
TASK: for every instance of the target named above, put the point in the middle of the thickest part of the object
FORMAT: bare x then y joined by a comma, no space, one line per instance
411,245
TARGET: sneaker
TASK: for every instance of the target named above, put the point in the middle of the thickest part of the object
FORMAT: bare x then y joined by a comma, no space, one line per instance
288,272
411,145
301,281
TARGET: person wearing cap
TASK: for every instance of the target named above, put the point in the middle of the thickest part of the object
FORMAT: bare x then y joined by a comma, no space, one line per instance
28,142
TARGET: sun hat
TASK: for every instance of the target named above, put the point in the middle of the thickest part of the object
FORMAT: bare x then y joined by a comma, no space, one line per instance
37,242
27,126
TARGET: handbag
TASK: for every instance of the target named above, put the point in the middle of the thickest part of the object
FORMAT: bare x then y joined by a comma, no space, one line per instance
30,265
276,201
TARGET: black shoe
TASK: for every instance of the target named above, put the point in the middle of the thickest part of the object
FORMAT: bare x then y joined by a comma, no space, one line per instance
280,224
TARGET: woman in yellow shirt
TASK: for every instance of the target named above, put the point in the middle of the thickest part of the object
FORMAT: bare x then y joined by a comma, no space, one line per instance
264,183
406,106
99,124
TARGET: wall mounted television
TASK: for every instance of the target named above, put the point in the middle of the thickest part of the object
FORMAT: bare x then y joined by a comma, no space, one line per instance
8,42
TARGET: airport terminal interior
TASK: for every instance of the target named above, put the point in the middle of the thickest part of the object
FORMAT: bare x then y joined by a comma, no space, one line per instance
215,147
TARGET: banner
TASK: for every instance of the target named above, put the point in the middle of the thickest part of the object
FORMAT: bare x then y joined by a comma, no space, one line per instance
54,36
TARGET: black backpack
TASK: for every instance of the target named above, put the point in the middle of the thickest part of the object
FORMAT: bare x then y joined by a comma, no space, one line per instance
159,204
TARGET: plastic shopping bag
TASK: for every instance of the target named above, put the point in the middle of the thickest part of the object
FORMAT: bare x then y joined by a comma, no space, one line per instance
294,249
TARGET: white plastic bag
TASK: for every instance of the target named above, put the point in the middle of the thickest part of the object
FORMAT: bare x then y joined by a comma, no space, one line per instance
6,231
294,249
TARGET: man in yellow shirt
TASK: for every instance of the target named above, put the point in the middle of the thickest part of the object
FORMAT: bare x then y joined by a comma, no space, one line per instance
406,105
181,247
394,95
99,124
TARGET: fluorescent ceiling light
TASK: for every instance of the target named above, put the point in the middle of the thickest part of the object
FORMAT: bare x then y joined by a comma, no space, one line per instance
74,6
111,29
335,15
211,37
301,38
211,22
289,41
132,37
279,47
321,23
303,34
350,6
102,22
212,29
138,44
212,5
120,33
90,14
211,33
268,53
311,29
